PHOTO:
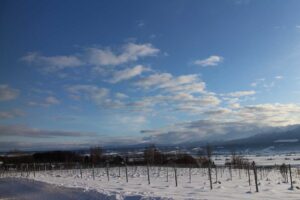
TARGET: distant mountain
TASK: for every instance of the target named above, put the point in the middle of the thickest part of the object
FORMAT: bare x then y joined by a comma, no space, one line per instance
270,138
283,139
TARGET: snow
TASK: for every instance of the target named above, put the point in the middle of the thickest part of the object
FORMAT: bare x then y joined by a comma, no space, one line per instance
264,160
271,184
26,189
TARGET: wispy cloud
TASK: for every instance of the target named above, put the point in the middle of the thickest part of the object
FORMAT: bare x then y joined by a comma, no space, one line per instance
227,124
11,114
278,77
46,102
129,52
140,23
128,73
25,131
242,93
185,83
213,60
92,92
52,63
97,57
100,96
8,93
267,83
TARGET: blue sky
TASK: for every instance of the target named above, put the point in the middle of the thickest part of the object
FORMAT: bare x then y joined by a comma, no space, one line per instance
78,73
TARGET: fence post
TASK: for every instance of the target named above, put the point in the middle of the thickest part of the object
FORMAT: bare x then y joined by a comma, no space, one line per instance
249,179
209,176
216,173
34,170
27,170
148,174
80,171
230,172
167,174
175,175
107,171
93,172
291,179
190,175
126,173
255,175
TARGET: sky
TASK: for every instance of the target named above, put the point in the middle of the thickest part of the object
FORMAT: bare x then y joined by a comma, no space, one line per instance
83,73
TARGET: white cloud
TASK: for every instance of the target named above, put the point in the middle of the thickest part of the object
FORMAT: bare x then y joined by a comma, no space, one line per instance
52,63
134,120
11,114
48,101
8,93
278,77
267,84
223,123
242,93
120,95
128,73
213,60
130,52
52,100
96,94
184,93
140,23
258,82
97,57
154,80
25,131
100,96
184,83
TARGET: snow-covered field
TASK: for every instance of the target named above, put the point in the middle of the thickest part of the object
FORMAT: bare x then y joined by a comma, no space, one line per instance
271,185
264,159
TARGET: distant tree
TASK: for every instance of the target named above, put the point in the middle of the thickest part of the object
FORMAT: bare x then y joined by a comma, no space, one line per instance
209,151
95,154
284,171
238,161
153,156
56,156
149,154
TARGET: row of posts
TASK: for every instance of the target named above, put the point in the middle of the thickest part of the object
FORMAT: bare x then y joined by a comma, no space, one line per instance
254,168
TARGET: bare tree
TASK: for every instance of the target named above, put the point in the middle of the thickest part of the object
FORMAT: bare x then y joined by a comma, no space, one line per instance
95,154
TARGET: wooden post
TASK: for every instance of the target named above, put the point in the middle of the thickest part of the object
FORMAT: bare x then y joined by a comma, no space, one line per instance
291,179
216,173
255,175
80,171
261,174
126,173
175,176
249,179
230,172
190,175
34,170
107,171
148,174
27,169
209,176
167,174
93,172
